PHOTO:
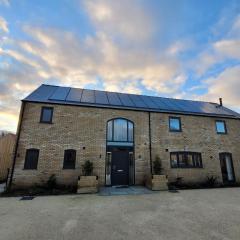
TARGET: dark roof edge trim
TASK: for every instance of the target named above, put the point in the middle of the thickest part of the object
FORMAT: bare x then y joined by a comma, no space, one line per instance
134,109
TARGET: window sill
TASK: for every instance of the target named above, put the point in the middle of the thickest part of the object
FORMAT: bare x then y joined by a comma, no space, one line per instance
28,169
187,167
46,122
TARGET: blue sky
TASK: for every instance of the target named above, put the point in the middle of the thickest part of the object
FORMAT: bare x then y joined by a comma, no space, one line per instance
182,49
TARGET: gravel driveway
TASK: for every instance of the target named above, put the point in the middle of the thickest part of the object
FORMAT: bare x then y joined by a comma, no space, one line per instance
190,214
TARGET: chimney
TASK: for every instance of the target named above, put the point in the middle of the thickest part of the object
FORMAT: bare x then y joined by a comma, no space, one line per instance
220,102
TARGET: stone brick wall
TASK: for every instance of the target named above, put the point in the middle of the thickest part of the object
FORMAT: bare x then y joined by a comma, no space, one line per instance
198,135
84,129
79,128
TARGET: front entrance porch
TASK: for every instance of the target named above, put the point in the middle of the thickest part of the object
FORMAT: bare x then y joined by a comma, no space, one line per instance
119,169
119,166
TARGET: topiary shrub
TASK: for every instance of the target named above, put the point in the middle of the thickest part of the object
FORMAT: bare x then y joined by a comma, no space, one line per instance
87,168
52,183
211,181
157,166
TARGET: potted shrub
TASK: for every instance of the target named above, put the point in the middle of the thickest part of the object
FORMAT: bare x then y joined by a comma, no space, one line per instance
87,183
157,181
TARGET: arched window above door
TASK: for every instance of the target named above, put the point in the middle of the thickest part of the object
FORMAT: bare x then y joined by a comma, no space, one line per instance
120,130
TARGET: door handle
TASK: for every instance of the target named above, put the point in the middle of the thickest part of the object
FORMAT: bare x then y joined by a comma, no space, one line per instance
120,170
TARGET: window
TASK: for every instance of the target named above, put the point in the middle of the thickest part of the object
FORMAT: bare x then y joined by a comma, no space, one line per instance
130,131
227,168
175,124
221,127
31,159
46,115
69,159
110,131
186,160
120,130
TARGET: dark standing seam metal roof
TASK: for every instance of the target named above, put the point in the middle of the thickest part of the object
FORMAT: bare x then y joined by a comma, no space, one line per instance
84,97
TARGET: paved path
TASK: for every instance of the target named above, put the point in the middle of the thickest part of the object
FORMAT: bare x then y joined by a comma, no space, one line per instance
212,214
132,190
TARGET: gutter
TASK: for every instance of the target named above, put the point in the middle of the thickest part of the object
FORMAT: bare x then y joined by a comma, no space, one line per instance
16,145
150,140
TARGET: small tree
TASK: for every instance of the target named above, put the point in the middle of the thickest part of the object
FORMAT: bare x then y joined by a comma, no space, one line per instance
87,168
157,166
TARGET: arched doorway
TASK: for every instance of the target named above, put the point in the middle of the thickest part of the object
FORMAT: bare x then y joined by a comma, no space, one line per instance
120,152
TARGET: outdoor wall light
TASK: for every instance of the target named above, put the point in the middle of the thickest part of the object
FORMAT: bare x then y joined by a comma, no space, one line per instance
83,148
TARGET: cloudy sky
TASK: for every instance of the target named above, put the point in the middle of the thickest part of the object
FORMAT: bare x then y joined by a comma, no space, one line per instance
182,49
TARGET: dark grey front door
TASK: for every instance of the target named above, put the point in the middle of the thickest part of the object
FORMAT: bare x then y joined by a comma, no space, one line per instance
227,167
120,167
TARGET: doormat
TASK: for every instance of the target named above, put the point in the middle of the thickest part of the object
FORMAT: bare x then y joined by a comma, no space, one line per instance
27,198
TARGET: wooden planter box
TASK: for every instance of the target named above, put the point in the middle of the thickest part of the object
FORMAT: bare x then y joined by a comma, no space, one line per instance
88,184
157,182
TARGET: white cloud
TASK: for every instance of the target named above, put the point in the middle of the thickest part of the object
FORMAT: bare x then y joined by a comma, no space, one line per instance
3,25
228,48
5,3
126,19
220,50
53,54
235,30
180,46
99,56
225,85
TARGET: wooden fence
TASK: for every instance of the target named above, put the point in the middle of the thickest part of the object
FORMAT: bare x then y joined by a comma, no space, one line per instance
7,144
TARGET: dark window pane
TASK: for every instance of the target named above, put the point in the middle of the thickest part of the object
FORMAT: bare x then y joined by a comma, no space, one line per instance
110,132
46,116
120,130
197,161
181,160
69,159
174,162
220,126
31,159
186,159
130,132
174,124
